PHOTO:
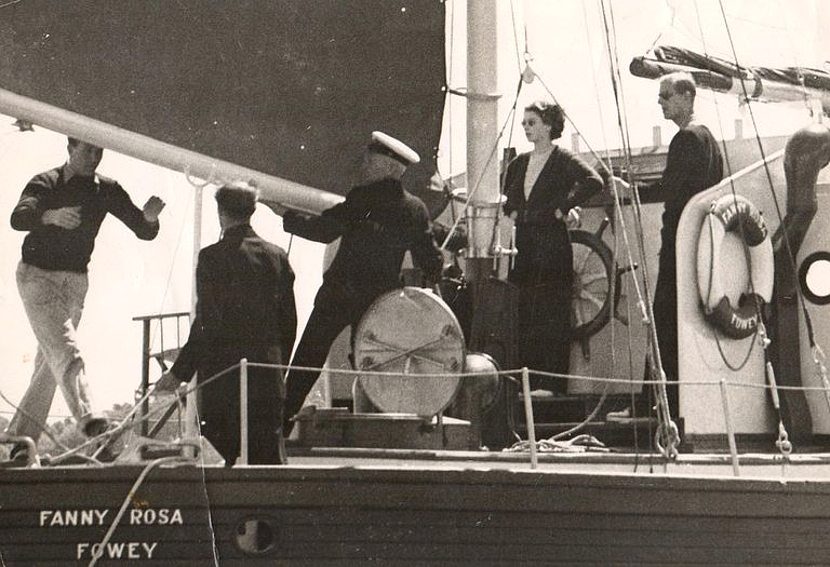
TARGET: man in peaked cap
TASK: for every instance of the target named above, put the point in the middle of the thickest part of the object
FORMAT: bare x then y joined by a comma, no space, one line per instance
245,309
378,223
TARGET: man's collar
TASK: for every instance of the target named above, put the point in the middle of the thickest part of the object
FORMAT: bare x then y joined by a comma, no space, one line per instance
686,120
236,229
67,173
384,182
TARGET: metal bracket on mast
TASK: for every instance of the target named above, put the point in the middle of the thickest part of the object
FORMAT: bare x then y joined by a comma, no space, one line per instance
474,96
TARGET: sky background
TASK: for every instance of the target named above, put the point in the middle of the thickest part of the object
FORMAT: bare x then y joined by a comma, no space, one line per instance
566,42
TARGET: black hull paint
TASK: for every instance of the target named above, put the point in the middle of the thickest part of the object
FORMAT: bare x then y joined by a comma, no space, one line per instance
428,514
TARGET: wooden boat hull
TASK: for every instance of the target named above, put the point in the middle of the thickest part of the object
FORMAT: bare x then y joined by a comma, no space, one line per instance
436,514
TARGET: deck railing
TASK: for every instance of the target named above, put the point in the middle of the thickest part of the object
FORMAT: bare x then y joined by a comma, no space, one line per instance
166,353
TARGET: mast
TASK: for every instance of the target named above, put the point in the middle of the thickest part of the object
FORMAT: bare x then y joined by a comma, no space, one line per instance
482,131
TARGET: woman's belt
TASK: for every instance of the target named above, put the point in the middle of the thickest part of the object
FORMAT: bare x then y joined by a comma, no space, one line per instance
545,217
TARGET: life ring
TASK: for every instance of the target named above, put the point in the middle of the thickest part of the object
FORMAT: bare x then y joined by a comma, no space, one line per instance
736,214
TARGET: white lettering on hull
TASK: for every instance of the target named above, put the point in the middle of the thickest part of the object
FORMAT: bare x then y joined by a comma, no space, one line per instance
101,517
116,550
151,517
96,517
50,518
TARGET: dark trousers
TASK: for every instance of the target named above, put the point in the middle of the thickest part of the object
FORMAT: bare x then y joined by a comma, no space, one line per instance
220,417
543,272
334,309
665,324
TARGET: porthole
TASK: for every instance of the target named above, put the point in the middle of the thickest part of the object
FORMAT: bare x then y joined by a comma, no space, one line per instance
256,536
814,277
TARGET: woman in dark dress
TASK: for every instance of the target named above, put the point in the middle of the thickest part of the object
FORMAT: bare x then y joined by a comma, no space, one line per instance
544,188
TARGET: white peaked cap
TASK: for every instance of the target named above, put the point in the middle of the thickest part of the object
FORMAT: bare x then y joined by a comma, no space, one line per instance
387,145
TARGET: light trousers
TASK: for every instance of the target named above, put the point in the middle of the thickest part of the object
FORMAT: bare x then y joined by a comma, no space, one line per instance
54,301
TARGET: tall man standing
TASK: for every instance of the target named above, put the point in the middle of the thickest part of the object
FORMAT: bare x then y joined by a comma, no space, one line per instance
62,210
694,163
379,221
245,309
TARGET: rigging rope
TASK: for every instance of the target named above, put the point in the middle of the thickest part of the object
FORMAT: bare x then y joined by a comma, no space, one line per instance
512,121
798,67
528,75
618,211
44,430
446,86
516,36
785,236
667,438
667,435
745,246
177,459
478,182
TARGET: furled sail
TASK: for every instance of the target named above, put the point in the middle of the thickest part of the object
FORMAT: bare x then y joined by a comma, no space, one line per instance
760,83
289,89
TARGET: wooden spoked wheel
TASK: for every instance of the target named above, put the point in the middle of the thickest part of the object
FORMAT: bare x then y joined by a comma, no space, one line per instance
593,269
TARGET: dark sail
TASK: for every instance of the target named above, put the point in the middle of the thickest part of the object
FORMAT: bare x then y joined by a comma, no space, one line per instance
287,88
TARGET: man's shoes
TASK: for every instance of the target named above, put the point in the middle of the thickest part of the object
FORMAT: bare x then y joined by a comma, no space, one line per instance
18,457
106,455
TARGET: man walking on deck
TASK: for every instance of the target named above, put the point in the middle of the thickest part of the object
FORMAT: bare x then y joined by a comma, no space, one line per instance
245,309
62,210
379,221
694,163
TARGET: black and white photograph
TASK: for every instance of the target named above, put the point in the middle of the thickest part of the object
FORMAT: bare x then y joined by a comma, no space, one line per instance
414,282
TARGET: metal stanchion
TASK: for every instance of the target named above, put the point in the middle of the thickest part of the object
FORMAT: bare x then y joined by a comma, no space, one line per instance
531,428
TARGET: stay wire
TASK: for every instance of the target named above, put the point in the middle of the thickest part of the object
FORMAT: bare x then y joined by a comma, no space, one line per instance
516,36
667,426
511,115
673,11
798,67
745,246
612,275
511,120
167,285
784,235
617,211
604,394
595,155
478,182
450,120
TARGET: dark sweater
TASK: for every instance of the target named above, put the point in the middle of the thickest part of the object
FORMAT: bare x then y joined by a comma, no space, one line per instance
694,163
53,248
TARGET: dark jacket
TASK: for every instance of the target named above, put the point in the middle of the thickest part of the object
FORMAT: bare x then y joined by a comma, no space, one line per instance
542,240
378,223
245,307
564,182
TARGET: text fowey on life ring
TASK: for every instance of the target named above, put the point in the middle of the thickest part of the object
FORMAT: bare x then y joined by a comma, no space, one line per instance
734,216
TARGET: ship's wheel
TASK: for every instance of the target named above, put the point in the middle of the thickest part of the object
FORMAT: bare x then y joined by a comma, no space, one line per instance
413,332
591,301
